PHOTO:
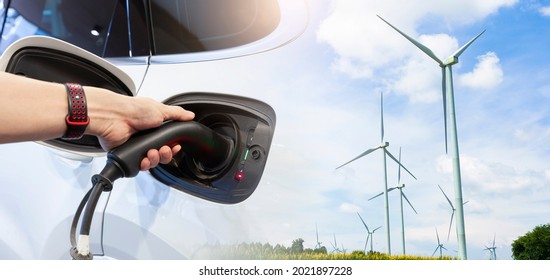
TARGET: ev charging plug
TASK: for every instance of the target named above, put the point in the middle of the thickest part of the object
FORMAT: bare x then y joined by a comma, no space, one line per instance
207,147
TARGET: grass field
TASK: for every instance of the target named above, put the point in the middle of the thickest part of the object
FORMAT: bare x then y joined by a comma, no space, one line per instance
258,251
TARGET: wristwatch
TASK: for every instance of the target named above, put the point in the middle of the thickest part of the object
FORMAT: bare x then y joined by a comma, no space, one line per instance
77,118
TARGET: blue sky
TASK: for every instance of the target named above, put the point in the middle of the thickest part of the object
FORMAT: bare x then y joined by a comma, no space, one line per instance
326,89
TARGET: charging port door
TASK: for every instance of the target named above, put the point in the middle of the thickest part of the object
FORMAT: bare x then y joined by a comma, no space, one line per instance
248,122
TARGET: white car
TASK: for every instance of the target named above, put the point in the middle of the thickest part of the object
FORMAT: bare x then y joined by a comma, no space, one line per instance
171,51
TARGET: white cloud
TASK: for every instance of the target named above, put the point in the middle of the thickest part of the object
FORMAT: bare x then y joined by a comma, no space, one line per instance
349,208
493,176
487,73
545,11
420,77
368,48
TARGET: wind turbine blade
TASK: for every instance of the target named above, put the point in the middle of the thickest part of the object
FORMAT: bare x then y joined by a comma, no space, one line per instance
360,156
437,234
389,190
381,117
444,95
376,196
463,48
435,250
392,157
376,229
450,225
399,168
446,197
404,196
423,48
363,222
317,233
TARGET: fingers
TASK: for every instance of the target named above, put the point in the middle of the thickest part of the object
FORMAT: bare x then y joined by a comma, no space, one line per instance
145,164
161,156
165,154
151,161
178,113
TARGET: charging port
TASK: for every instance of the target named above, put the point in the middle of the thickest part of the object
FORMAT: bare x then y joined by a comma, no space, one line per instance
248,123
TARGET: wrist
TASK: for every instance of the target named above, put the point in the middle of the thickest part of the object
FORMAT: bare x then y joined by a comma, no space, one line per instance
77,117
104,109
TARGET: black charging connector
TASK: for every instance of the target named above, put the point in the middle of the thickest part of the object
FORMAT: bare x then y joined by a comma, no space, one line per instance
198,141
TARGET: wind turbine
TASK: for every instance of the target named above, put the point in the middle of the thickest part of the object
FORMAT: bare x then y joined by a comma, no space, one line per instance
492,250
453,211
452,208
447,86
402,195
318,246
382,146
335,246
369,234
439,247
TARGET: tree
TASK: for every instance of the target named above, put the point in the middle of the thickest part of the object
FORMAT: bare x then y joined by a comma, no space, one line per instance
534,245
297,246
320,250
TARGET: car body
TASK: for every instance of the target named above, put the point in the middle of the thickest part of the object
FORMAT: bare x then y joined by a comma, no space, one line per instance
163,49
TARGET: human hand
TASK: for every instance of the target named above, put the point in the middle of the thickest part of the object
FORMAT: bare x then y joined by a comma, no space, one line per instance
114,118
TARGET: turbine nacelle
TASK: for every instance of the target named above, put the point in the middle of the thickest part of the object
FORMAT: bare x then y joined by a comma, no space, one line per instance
452,60
384,145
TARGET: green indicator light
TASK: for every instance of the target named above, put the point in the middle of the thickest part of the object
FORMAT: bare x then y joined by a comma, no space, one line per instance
246,154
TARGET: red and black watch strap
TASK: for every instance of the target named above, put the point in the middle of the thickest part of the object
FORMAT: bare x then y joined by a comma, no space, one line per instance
77,119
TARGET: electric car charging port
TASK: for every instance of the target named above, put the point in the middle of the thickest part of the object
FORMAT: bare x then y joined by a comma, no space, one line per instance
195,169
249,123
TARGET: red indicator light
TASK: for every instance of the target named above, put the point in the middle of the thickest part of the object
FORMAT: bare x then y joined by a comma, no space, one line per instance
239,176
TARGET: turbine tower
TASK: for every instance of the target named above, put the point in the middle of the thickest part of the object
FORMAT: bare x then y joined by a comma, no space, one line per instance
402,195
382,146
447,87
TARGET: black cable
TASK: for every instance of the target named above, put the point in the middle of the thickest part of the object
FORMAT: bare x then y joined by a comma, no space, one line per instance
90,209
77,217
88,205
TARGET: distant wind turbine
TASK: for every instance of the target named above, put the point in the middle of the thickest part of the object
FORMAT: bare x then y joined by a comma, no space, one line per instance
335,246
382,146
402,195
369,234
317,235
439,247
447,87
492,250
453,209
